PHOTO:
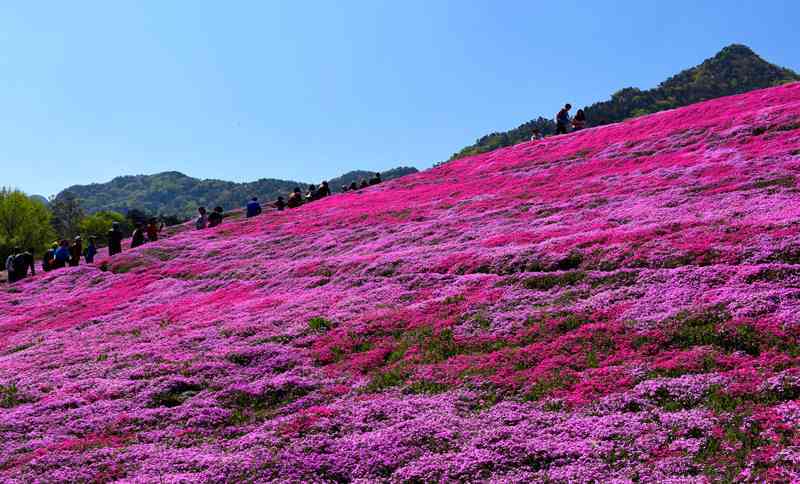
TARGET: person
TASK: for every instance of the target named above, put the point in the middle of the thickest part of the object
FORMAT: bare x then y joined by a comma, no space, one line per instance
537,135
11,267
579,121
353,186
562,119
61,256
375,179
311,194
295,198
90,251
75,252
202,219
364,183
279,204
344,188
26,261
324,190
153,229
114,239
253,208
216,217
48,257
137,237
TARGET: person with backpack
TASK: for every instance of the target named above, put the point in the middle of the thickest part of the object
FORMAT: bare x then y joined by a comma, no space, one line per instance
61,256
48,258
216,217
375,180
114,239
137,237
579,121
201,221
253,208
562,119
75,252
11,265
90,251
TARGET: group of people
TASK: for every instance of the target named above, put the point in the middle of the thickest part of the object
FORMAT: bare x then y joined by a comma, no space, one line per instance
19,263
354,186
62,254
564,123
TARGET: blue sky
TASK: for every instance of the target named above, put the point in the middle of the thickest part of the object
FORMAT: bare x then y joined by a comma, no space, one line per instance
308,90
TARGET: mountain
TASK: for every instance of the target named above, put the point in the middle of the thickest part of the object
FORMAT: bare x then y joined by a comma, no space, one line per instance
173,193
615,305
734,70
358,175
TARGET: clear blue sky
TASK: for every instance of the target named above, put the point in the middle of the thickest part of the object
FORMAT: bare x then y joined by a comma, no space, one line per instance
307,90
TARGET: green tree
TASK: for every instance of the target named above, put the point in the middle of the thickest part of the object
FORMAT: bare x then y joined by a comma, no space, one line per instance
23,222
67,214
98,224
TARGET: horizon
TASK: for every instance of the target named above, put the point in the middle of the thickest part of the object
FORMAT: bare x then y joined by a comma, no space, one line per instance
267,91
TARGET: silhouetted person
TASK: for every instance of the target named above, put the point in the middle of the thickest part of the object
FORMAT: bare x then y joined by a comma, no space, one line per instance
114,239
90,251
344,188
311,194
75,252
201,221
61,256
26,263
11,265
536,135
253,208
137,237
216,217
579,121
280,204
353,186
324,190
48,258
375,179
153,229
364,184
562,119
295,198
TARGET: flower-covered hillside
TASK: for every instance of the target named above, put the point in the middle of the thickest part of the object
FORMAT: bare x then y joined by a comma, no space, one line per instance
621,303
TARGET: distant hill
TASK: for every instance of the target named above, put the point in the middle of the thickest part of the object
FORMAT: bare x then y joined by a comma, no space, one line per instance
358,175
174,193
735,69
40,199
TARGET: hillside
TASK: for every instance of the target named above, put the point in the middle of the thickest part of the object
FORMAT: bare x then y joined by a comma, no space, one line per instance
735,69
615,305
173,193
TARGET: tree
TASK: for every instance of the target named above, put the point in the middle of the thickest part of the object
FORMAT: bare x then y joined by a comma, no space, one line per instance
97,225
23,222
67,215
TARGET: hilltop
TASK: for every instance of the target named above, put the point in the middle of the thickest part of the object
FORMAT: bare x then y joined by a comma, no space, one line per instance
735,69
174,193
614,305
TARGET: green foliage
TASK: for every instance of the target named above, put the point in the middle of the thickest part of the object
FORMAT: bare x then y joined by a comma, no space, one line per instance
734,70
9,396
383,380
98,224
67,215
24,222
319,324
549,281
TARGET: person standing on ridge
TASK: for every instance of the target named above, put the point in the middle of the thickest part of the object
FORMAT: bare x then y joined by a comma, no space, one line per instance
216,217
90,251
137,237
253,208
153,229
375,179
61,256
114,239
562,119
75,252
579,121
201,221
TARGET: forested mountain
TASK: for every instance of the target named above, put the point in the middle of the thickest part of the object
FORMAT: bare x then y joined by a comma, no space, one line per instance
173,193
734,70
358,175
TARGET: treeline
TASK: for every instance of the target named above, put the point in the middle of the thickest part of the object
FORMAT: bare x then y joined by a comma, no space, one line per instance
29,223
734,70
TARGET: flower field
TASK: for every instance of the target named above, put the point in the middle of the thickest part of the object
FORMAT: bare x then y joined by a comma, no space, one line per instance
620,304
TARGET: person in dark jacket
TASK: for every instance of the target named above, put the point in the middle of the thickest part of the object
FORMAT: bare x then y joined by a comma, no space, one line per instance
375,179
76,252
114,239
153,229
253,208
295,198
62,256
25,262
48,258
11,265
311,194
324,190
353,186
579,121
90,251
279,204
216,217
201,221
137,238
562,119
